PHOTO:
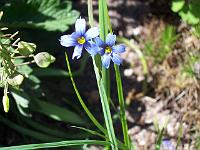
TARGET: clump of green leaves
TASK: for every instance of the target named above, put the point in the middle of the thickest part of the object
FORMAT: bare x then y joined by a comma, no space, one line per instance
161,48
188,10
192,65
11,51
196,30
50,15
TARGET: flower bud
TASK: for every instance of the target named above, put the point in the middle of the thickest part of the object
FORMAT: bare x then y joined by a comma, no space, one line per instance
16,79
26,48
44,59
5,101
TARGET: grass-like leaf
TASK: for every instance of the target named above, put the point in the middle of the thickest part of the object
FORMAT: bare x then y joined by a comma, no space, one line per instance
28,132
122,108
93,119
55,144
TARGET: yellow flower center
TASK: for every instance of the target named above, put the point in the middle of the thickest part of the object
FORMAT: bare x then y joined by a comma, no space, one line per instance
81,40
108,49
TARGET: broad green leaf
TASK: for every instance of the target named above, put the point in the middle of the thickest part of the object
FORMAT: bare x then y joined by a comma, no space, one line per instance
34,79
57,113
50,15
22,101
177,5
53,131
189,12
189,17
21,98
46,108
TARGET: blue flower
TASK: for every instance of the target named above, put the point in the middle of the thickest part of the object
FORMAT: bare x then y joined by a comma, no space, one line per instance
168,145
109,51
81,38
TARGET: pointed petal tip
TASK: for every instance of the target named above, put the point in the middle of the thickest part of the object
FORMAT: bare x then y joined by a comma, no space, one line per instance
106,60
110,39
67,41
80,26
92,33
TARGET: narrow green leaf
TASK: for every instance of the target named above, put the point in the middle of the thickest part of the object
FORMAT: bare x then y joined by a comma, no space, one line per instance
122,107
180,135
56,144
103,21
28,132
107,115
159,139
93,119
90,131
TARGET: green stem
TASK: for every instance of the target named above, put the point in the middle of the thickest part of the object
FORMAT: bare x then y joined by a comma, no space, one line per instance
103,21
138,52
122,107
106,108
104,82
141,57
93,119
90,13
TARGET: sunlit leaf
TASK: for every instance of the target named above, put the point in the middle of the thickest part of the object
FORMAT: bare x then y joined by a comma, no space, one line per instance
177,5
50,15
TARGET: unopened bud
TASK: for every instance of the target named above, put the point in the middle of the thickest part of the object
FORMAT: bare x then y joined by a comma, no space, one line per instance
44,59
16,79
26,48
5,101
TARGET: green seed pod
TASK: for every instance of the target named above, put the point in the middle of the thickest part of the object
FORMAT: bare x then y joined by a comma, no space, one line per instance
44,59
26,48
5,101
16,79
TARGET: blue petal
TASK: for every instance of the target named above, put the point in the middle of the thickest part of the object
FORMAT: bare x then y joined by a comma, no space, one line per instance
75,35
67,41
119,48
116,59
80,26
106,60
110,39
92,33
168,145
77,51
101,51
91,48
99,42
